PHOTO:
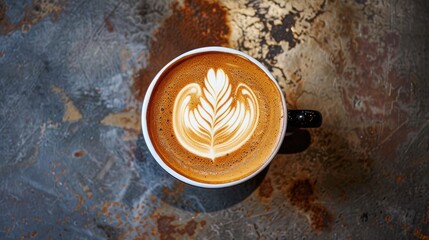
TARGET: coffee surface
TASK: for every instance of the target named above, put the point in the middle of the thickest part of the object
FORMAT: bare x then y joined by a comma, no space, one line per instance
215,117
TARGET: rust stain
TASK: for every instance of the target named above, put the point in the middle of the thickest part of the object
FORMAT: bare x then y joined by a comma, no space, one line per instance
388,218
2,54
173,193
399,179
71,113
128,222
175,190
301,194
167,229
33,234
33,14
320,217
128,119
193,24
79,154
266,189
190,228
419,235
80,202
5,24
203,223
419,228
109,25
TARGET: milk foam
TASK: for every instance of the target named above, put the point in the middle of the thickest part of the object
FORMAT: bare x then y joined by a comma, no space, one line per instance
215,119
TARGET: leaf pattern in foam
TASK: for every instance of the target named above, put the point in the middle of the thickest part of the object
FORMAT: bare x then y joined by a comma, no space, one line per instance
221,122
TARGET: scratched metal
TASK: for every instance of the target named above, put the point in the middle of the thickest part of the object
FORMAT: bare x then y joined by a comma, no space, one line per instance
74,165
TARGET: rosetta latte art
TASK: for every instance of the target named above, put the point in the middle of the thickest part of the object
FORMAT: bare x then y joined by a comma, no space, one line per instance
214,120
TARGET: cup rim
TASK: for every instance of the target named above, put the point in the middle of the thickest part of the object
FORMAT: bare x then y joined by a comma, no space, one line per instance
149,141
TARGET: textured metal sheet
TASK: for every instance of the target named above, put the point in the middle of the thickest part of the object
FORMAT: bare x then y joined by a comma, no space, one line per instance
74,164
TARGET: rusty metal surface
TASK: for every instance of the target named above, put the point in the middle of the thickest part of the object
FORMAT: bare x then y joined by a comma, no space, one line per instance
74,164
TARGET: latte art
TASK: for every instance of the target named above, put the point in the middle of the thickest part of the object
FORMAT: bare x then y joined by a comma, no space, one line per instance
216,119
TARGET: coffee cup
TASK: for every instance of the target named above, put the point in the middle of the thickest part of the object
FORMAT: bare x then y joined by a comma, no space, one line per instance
215,117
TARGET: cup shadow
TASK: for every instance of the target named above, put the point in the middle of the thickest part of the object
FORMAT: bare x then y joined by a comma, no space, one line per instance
294,142
197,199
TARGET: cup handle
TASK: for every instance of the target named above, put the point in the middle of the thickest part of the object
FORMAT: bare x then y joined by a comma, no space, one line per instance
303,119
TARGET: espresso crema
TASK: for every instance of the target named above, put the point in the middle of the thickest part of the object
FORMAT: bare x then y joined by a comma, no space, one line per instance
215,117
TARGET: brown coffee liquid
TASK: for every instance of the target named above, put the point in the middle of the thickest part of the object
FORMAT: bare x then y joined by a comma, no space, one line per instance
215,117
